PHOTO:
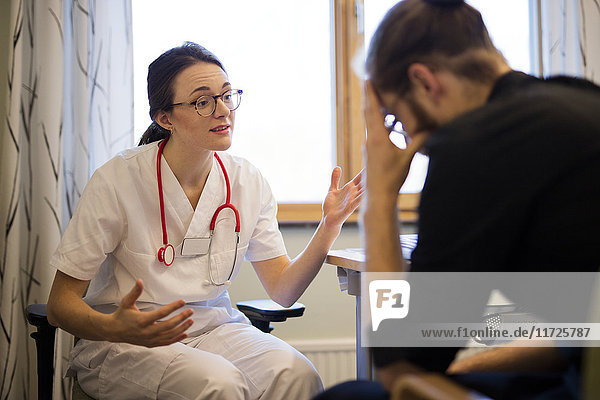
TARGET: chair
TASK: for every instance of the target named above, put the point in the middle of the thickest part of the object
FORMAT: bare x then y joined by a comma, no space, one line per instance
436,386
260,313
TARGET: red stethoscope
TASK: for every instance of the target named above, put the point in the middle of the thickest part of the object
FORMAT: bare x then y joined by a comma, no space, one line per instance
166,254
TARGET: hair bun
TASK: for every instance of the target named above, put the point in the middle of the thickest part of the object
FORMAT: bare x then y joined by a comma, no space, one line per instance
445,3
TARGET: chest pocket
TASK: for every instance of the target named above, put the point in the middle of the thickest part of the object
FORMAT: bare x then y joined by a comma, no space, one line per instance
226,263
136,261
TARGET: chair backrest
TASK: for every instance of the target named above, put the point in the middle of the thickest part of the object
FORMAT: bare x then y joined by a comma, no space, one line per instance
44,341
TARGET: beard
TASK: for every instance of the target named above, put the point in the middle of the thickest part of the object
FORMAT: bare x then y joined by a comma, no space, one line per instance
424,122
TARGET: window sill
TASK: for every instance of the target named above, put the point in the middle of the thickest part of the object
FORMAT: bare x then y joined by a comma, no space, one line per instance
310,213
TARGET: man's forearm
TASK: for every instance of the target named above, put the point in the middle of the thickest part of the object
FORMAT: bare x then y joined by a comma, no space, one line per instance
511,359
382,235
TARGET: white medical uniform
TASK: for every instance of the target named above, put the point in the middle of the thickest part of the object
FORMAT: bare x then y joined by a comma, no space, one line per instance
113,239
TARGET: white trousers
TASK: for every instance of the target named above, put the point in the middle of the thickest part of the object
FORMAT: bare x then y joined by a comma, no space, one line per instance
233,361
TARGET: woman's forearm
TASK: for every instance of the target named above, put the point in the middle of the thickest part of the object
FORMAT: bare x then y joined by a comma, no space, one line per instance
67,310
85,323
297,274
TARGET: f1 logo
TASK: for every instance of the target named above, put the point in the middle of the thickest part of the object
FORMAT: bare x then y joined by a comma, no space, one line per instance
389,299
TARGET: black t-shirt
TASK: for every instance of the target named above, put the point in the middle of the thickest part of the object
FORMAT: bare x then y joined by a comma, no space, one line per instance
515,185
512,186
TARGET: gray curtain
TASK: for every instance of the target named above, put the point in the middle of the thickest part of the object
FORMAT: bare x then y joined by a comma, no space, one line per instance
66,108
570,38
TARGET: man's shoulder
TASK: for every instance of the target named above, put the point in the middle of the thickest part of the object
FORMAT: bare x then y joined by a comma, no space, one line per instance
574,82
528,109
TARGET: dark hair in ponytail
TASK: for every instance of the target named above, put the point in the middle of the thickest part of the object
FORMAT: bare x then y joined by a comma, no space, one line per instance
154,133
161,74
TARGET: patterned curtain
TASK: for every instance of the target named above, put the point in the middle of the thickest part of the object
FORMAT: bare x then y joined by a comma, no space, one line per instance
69,102
570,38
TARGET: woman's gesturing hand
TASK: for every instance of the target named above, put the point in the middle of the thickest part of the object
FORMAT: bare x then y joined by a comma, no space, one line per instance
146,328
341,202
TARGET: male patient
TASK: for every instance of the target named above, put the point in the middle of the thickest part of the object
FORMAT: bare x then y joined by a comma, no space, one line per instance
513,179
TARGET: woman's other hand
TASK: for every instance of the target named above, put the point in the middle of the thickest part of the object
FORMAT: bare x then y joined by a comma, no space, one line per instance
146,328
67,310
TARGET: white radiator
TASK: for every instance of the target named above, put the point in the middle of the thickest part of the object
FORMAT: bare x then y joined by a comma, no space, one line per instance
334,359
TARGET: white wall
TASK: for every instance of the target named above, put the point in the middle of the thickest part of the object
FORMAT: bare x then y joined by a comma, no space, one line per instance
329,313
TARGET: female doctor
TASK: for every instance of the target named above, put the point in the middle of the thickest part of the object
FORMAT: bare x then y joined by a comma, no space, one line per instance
159,234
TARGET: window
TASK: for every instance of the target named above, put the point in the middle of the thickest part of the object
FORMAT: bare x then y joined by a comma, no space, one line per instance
284,68
301,112
375,10
508,23
511,40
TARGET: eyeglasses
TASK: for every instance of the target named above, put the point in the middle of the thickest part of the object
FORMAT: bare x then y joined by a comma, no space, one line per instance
206,104
397,133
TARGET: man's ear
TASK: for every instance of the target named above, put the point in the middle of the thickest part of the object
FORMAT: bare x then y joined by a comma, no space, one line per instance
162,118
424,81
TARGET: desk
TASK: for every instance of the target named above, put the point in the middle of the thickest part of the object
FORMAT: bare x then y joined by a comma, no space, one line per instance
350,263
